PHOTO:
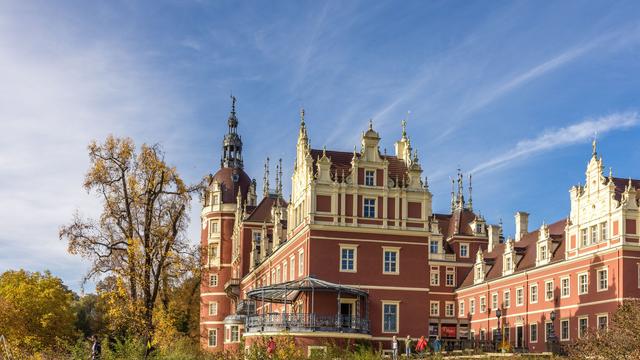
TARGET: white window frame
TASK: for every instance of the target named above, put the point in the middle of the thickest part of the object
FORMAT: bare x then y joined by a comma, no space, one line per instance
466,246
483,304
300,262
213,308
292,267
449,305
285,271
395,250
600,316
452,272
546,333
397,305
546,290
472,306
431,308
562,287
354,248
494,301
604,231
506,299
580,318
580,290
532,293
520,296
232,338
434,276
437,243
461,308
213,280
366,205
368,172
531,326
214,337
563,338
606,270
214,227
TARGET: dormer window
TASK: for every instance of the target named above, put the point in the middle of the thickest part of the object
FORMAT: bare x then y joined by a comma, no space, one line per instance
369,177
478,270
433,246
508,263
214,200
544,250
508,259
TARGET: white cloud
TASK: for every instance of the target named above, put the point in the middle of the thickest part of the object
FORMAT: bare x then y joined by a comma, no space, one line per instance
564,136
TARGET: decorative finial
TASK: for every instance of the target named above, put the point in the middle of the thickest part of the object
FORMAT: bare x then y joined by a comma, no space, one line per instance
404,127
594,143
610,174
279,185
453,201
233,104
265,190
370,124
470,198
324,150
302,116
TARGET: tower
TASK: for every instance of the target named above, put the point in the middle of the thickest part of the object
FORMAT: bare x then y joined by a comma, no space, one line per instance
226,192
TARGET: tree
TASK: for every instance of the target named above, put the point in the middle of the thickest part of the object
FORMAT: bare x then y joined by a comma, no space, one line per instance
620,341
139,241
35,311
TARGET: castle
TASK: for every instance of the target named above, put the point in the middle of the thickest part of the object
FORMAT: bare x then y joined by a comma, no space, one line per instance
357,254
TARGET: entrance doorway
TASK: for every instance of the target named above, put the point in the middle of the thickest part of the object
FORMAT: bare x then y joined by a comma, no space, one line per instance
519,336
347,311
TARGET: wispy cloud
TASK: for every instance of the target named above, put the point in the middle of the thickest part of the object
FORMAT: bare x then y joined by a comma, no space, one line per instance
564,136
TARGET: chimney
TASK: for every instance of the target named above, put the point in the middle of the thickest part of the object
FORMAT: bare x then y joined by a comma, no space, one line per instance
522,224
494,236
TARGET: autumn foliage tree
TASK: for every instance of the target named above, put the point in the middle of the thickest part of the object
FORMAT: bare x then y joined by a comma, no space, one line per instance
36,311
137,247
620,341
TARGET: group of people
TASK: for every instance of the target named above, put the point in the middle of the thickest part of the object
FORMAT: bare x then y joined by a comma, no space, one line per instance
421,346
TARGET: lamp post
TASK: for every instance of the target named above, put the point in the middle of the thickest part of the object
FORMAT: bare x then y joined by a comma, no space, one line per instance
499,334
552,334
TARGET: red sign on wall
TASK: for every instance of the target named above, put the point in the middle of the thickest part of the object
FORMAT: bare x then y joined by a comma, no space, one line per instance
448,331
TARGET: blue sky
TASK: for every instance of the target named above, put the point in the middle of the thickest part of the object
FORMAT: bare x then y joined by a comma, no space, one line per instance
512,91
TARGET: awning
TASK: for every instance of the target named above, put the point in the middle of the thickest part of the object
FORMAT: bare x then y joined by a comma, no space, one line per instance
289,291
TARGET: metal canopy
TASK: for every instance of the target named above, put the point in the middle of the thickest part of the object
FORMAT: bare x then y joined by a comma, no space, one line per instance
287,292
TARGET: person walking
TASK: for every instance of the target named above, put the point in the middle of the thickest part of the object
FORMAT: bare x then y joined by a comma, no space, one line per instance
437,345
421,345
407,346
271,347
394,347
96,348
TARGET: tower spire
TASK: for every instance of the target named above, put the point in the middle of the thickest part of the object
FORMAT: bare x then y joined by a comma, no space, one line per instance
594,144
453,200
232,143
470,205
265,179
279,181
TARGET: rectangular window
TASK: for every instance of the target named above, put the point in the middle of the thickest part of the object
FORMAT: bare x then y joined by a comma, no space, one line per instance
548,290
603,322
369,176
434,308
583,283
547,330
494,301
565,289
519,296
603,231
533,294
603,279
284,271
235,333
533,332
506,299
483,334
594,234
213,280
292,267
213,308
369,208
464,250
390,318
461,308
435,276
472,306
213,337
390,261
213,252
433,246
450,279
300,263
213,227
449,309
348,258
583,236
564,329
583,325
543,252
483,304
214,200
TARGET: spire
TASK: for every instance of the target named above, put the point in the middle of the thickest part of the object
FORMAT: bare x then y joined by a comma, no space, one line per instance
453,200
265,179
279,182
404,129
232,143
594,144
470,205
460,194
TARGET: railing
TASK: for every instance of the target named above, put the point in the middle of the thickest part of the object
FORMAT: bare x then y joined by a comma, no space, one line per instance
306,322
245,307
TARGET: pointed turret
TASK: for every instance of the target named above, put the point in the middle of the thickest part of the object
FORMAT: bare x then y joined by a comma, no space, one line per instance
232,143
265,179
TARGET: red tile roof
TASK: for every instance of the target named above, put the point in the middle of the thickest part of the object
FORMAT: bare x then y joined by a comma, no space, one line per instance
621,185
526,247
262,212
230,188
341,161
